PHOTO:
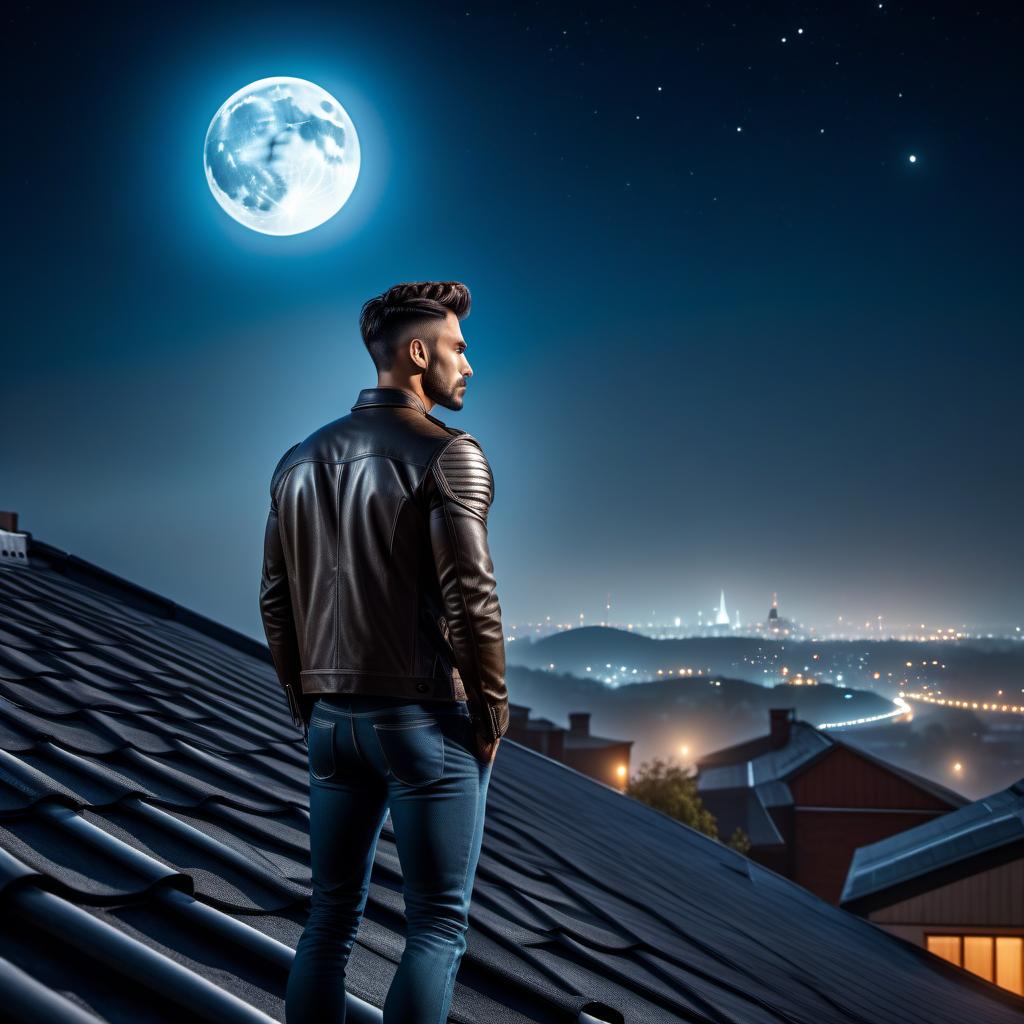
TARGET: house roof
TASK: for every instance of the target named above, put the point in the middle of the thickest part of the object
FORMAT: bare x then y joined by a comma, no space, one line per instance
942,850
737,753
154,860
574,741
748,809
756,763
543,725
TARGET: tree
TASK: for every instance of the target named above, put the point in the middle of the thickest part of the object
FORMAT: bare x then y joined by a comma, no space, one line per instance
669,787
739,841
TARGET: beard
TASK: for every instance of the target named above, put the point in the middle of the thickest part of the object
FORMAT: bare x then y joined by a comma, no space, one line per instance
439,390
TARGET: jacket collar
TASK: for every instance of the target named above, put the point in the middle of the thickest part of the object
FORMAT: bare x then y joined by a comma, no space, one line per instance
388,396
370,397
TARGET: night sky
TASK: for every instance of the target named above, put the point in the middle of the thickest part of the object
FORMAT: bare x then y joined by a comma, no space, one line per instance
782,358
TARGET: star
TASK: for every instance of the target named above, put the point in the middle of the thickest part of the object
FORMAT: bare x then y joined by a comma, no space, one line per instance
912,158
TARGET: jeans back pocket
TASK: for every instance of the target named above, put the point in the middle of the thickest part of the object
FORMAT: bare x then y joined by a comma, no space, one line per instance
321,749
414,751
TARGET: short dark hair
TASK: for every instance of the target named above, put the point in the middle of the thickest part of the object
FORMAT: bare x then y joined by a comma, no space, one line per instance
385,320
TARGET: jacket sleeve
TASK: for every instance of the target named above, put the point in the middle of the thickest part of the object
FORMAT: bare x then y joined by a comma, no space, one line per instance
276,611
460,489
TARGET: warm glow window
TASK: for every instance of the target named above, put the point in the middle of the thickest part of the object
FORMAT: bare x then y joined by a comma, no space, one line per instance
998,958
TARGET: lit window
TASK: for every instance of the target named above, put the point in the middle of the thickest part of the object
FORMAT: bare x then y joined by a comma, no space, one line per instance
946,946
1010,962
978,955
998,958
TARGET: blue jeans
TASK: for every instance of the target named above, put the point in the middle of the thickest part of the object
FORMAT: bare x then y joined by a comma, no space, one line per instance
367,755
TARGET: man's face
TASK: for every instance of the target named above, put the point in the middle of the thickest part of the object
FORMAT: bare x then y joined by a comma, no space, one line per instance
445,376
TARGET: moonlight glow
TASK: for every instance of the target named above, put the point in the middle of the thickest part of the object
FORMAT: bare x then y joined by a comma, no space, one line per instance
281,156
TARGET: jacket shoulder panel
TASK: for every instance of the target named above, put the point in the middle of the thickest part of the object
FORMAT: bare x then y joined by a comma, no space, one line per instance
463,473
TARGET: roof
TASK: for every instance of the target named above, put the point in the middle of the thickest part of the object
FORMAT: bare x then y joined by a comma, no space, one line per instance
748,809
154,865
973,838
574,741
757,763
542,725
737,753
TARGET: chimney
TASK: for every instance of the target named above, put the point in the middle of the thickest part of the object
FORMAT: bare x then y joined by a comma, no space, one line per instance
518,715
780,720
9,521
579,723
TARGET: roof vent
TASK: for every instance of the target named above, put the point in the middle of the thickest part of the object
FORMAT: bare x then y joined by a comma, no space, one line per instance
13,545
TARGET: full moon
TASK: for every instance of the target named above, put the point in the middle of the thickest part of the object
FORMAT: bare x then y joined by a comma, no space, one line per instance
281,156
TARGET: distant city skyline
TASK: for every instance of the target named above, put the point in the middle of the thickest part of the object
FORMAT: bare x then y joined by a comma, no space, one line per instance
710,618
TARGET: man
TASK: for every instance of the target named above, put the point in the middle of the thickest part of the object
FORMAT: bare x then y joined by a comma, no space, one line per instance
379,603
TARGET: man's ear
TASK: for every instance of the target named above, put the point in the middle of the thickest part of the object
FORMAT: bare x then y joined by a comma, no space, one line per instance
418,353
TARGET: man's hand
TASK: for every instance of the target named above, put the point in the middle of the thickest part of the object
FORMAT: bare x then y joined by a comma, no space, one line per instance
486,750
485,743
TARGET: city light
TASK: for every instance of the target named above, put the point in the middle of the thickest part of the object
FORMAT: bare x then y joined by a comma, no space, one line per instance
973,705
876,627
902,708
800,680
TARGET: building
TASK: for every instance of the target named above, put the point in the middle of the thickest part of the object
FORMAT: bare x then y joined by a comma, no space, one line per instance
808,800
606,760
954,885
777,625
540,734
154,857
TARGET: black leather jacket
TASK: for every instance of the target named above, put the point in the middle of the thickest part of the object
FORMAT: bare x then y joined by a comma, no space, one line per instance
377,576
